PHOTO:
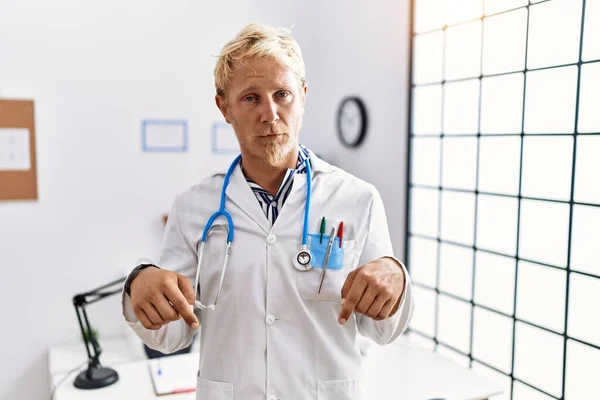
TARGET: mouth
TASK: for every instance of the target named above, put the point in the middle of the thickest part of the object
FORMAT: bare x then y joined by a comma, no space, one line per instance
272,135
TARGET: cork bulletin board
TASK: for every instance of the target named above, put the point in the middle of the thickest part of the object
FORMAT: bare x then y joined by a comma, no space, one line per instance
18,172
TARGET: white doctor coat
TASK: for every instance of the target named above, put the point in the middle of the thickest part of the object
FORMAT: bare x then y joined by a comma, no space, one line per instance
270,336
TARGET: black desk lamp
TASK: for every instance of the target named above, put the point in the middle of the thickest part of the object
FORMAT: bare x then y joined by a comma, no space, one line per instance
95,376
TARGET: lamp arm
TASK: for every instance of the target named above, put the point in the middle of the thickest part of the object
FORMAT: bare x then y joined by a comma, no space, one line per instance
95,376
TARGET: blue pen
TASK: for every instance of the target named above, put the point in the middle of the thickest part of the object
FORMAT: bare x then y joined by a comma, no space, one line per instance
158,368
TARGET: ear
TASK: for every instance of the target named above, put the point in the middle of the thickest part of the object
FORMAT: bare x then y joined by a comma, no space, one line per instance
304,91
222,105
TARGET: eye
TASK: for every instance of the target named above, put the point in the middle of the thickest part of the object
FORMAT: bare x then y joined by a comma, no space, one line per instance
249,98
283,94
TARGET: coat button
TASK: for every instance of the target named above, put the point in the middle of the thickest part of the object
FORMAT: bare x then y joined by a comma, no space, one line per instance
270,320
271,239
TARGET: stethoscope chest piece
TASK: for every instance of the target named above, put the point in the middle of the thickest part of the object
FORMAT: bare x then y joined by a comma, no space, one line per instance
302,261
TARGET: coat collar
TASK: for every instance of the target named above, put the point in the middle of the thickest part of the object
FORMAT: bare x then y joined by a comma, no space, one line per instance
241,194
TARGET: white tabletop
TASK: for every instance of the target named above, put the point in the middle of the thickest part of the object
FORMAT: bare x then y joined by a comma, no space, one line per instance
400,371
134,383
405,371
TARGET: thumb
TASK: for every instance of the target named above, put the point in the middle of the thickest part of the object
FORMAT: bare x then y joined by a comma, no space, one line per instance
186,288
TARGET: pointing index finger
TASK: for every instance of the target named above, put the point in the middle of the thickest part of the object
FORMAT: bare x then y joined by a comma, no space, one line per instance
349,303
181,305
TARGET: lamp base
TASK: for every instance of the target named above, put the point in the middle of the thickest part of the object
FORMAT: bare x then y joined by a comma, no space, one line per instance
96,378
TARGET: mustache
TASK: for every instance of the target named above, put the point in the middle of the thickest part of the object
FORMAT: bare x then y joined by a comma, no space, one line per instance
272,130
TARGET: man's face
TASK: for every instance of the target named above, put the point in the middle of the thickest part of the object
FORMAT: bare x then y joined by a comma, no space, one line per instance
264,103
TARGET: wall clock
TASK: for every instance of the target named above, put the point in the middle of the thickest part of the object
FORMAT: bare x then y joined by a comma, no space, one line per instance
352,121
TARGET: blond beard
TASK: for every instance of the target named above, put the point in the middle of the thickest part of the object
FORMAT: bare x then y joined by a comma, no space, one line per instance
273,152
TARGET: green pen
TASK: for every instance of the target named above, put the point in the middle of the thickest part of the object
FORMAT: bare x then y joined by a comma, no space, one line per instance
322,229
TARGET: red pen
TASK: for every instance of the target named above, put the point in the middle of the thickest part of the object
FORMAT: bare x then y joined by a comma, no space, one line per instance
188,390
340,232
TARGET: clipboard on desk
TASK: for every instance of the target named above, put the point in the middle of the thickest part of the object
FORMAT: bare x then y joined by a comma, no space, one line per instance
168,376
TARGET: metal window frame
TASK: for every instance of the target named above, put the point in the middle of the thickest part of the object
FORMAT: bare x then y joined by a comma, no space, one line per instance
517,257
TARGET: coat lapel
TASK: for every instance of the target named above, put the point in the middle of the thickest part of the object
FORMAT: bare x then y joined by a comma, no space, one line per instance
241,194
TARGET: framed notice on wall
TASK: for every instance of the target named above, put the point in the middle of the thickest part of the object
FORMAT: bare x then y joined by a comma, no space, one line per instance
18,176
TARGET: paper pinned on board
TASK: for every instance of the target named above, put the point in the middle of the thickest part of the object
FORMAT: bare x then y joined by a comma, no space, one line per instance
14,149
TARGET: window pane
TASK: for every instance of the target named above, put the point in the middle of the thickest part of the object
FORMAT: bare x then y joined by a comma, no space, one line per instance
496,6
547,164
584,319
589,98
544,228
454,323
499,159
498,377
423,261
424,211
464,11
539,358
541,295
429,15
427,110
591,34
524,392
502,104
463,51
504,38
497,224
423,320
492,339
460,163
582,372
554,31
425,169
456,270
550,100
495,281
584,239
587,186
461,107
428,58
458,217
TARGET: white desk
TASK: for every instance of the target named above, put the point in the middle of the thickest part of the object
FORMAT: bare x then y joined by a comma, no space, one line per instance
405,371
401,371
134,383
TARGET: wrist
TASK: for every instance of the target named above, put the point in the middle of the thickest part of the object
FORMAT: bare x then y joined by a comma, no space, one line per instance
134,274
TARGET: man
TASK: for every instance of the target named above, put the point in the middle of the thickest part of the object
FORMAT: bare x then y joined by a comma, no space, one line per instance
276,332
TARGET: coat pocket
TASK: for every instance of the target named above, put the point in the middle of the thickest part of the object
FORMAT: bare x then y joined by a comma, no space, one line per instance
213,390
339,390
341,263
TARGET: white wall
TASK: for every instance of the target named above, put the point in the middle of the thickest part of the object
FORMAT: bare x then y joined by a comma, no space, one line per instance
95,70
354,47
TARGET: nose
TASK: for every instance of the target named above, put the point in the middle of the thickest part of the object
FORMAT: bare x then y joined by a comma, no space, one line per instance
269,112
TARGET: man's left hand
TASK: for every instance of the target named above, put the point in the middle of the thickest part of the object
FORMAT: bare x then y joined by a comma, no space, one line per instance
373,289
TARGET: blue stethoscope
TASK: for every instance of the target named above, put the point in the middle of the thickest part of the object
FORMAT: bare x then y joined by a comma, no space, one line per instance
302,260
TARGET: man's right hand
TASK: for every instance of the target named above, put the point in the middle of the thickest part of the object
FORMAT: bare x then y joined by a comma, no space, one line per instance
159,296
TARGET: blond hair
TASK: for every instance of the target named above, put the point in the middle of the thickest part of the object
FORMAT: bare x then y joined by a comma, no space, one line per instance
258,41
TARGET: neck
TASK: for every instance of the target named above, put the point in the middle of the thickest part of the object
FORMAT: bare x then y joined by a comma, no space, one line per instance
268,176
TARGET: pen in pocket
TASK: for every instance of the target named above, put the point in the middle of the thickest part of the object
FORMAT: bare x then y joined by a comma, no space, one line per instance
340,233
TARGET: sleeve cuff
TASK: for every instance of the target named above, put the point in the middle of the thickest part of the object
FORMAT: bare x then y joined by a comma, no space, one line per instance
404,290
127,307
